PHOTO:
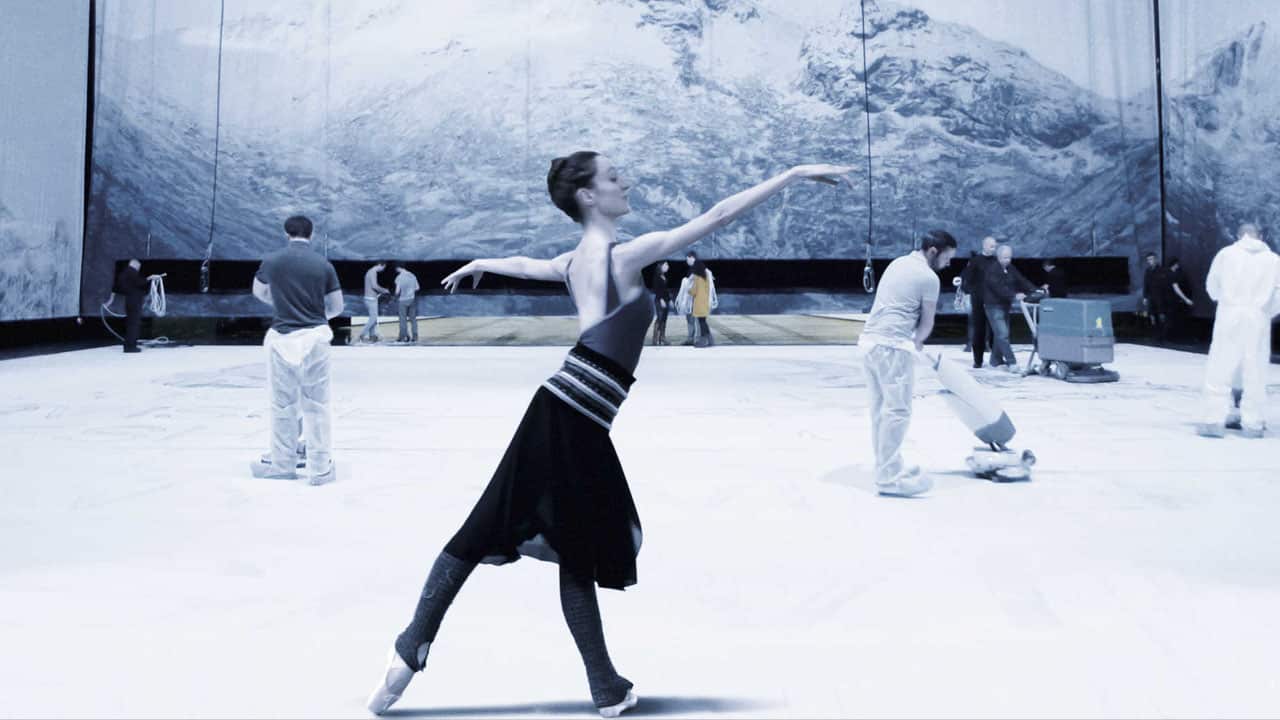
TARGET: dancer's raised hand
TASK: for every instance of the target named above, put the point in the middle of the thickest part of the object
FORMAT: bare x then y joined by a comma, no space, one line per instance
454,279
654,246
824,173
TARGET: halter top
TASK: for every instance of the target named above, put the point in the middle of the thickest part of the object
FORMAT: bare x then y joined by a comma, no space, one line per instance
620,334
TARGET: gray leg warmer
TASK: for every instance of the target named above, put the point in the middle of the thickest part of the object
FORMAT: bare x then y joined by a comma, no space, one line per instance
582,613
446,578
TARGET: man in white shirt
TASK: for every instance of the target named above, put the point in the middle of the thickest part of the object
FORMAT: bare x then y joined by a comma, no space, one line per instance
372,291
901,320
407,293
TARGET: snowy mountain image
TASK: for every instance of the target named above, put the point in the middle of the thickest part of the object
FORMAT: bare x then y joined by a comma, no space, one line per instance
39,275
1222,139
424,130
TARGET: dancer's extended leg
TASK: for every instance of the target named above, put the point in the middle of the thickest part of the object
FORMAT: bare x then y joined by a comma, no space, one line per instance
411,647
609,691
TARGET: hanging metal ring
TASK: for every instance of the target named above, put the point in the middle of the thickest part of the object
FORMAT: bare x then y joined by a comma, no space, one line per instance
204,276
868,274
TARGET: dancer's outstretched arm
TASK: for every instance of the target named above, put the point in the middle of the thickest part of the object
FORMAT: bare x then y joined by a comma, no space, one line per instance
651,247
552,270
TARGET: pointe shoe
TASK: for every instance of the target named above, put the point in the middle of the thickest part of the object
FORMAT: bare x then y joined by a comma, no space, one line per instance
613,711
394,681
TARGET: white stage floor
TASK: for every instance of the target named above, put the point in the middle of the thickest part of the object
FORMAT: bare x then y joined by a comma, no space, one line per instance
145,574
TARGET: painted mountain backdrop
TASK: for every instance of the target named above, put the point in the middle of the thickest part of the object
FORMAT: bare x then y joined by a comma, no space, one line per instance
1222,139
424,130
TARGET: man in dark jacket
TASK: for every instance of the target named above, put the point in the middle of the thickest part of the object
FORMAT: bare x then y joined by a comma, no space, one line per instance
1002,286
134,287
972,284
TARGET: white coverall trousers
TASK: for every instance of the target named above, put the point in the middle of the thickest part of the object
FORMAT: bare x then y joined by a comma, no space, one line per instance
1238,357
371,324
298,384
890,382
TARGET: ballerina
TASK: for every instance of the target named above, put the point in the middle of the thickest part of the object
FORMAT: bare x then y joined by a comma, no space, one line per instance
559,494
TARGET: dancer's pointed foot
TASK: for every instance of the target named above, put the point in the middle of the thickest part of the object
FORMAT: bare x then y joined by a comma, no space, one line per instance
394,681
613,711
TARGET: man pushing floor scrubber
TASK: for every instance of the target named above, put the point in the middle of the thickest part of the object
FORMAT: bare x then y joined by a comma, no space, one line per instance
901,320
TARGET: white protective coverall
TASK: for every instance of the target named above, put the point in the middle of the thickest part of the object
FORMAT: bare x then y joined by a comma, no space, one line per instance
891,378
298,383
1245,281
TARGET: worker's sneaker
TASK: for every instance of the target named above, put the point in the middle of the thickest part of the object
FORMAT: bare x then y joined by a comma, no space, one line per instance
906,484
262,468
302,459
1211,430
327,476
1253,433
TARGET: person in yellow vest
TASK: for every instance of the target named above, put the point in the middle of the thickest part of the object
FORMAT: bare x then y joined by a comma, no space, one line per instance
703,293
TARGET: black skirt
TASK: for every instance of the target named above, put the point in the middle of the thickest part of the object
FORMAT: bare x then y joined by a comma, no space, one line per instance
558,495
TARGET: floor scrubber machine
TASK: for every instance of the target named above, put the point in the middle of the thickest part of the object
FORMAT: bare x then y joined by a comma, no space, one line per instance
1072,338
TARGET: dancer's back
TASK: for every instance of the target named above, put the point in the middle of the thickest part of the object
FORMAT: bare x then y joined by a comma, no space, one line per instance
608,324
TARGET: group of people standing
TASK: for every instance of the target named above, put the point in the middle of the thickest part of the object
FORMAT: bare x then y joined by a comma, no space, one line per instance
1166,297
993,285
406,295
695,299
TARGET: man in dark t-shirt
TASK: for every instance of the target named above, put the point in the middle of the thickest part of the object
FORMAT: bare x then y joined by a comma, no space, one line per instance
1154,280
303,290
1177,300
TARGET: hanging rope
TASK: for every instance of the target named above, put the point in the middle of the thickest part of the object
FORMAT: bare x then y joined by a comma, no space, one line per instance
156,301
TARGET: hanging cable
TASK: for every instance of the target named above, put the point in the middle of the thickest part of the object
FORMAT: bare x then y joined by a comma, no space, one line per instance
868,273
217,136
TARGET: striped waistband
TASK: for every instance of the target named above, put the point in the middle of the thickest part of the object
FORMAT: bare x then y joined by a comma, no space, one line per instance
592,384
